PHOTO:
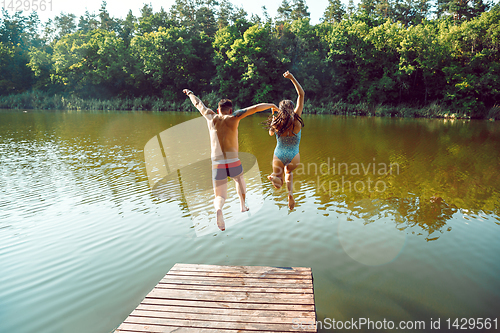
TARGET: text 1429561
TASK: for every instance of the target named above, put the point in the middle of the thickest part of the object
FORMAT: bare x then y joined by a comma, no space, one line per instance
27,5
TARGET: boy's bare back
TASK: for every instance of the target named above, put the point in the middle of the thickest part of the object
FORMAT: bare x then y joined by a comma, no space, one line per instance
226,130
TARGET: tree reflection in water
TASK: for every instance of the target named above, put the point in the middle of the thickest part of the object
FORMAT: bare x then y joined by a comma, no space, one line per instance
431,215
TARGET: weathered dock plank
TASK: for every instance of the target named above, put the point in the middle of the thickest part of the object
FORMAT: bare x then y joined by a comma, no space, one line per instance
227,299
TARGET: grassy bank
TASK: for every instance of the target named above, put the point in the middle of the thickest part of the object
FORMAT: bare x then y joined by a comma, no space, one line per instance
36,100
43,101
433,110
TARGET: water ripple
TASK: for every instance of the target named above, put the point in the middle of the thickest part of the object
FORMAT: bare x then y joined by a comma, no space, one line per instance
83,238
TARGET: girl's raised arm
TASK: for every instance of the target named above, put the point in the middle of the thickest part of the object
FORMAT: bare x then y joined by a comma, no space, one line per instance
300,92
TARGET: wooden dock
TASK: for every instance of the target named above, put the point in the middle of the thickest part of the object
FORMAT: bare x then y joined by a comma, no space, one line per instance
227,299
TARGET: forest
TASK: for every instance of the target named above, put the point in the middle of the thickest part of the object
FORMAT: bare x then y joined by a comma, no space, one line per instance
380,57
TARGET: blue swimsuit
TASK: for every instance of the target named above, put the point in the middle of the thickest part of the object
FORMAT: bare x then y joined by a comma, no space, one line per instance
287,147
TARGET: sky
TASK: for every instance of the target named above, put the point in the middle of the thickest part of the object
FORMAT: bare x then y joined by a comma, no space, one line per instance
120,8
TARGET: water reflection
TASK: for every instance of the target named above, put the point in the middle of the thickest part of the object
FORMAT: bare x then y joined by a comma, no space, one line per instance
80,227
429,215
422,171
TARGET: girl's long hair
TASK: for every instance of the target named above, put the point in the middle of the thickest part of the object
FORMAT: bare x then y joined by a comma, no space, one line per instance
285,119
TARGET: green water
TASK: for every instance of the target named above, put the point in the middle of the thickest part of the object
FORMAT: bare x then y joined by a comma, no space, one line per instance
398,218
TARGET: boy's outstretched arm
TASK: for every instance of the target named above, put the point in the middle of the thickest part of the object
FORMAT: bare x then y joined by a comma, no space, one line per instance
198,103
254,109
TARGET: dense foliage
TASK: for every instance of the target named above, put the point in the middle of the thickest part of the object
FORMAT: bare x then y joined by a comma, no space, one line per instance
411,53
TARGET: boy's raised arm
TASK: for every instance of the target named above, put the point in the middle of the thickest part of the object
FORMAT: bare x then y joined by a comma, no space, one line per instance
198,103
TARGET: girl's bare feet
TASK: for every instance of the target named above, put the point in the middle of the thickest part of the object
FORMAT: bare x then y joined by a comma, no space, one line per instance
276,181
291,202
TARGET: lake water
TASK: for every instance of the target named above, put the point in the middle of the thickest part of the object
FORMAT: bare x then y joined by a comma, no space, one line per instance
398,218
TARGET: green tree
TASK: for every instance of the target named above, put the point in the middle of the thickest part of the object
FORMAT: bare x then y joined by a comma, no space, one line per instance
345,41
12,29
145,21
197,15
88,22
284,12
15,77
247,63
473,73
168,61
334,12
299,10
20,30
32,31
128,28
367,7
17,34
423,55
106,21
150,21
224,14
89,65
462,9
383,9
65,24
403,11
351,9
6,57
40,63
385,51
228,14
8,75
267,19
299,48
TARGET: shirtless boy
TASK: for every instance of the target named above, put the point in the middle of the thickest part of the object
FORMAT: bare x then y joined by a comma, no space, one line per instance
223,128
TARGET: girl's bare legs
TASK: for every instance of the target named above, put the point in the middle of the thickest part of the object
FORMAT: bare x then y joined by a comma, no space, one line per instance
276,177
289,180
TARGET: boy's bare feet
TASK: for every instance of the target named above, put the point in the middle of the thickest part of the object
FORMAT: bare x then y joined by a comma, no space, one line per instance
291,201
220,220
